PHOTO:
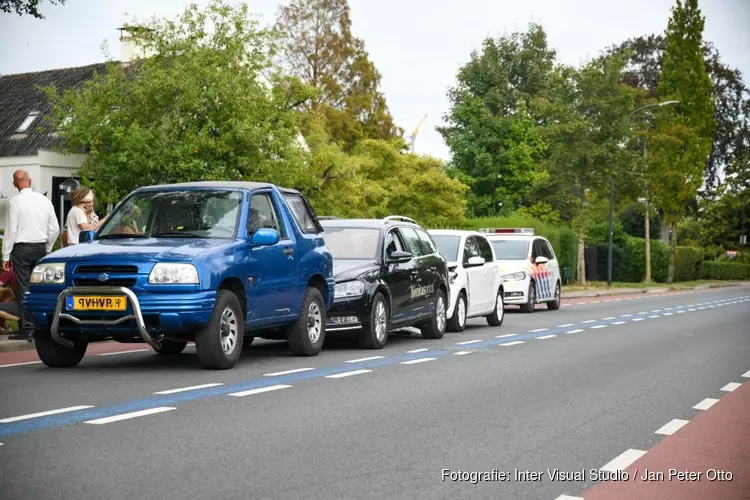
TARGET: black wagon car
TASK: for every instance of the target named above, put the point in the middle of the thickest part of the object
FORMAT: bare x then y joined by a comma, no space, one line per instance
389,275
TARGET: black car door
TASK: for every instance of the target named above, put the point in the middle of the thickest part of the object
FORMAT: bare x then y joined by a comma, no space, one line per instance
397,276
422,291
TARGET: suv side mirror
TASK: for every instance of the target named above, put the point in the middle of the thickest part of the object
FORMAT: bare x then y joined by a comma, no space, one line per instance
475,261
541,260
399,256
264,237
87,235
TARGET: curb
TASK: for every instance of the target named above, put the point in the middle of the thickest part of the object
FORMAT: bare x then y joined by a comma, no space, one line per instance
16,345
631,291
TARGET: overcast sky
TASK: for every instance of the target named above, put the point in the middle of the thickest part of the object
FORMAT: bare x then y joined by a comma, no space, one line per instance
417,45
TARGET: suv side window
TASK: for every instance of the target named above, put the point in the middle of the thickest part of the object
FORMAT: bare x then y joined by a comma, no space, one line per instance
393,242
471,249
485,250
412,240
263,215
427,245
536,250
303,214
549,252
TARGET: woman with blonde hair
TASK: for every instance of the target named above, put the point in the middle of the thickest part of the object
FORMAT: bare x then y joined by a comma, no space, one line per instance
79,217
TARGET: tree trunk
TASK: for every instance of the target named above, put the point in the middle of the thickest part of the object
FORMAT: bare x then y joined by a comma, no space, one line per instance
581,259
672,251
647,222
664,229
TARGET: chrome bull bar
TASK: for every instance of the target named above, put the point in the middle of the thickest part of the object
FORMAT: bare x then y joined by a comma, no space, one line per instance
131,298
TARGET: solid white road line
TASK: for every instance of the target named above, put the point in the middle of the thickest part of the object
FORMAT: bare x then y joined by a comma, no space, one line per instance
416,351
579,330
126,416
731,386
619,322
43,414
122,352
461,353
746,374
21,364
706,404
623,460
544,337
506,336
287,372
508,344
671,427
468,342
191,388
565,325
598,326
371,358
348,374
259,391
415,361
538,330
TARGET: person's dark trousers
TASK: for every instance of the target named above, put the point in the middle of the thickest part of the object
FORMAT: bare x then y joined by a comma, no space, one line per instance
24,257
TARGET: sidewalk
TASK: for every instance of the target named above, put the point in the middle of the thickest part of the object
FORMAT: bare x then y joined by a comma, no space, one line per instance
709,458
602,292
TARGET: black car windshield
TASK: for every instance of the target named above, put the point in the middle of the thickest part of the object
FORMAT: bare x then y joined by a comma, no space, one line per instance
352,243
510,249
175,214
447,245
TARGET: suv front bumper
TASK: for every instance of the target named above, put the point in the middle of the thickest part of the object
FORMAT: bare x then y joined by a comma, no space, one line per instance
149,315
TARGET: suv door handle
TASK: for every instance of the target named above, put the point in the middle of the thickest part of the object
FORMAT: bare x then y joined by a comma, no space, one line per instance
288,251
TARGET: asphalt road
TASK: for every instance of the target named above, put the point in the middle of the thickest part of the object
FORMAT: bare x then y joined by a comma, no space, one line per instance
569,390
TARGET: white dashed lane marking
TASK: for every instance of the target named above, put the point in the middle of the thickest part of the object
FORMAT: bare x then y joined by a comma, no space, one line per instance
469,342
623,460
417,350
507,335
261,390
462,353
191,388
568,497
619,322
21,364
746,374
565,326
588,321
671,427
706,404
288,372
415,361
544,337
731,386
538,330
371,358
508,344
598,326
127,416
348,374
608,318
43,414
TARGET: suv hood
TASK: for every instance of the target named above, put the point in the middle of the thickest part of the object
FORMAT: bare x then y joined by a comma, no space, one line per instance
138,249
345,270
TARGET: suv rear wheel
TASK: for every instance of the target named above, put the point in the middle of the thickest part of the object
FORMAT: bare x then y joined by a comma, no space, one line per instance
307,335
219,345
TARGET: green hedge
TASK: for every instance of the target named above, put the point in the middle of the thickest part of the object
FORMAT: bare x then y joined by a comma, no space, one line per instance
725,271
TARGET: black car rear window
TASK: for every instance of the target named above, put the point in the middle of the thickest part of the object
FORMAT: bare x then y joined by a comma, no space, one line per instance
352,243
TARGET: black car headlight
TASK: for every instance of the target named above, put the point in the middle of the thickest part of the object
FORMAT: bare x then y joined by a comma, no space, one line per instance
349,289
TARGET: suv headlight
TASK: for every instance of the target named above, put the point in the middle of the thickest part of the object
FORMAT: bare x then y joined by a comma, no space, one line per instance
349,289
48,274
165,273
514,276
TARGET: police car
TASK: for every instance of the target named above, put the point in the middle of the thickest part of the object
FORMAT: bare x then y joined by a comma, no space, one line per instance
528,267
389,276
476,287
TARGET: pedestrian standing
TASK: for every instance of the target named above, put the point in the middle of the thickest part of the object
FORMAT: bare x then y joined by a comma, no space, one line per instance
80,216
31,229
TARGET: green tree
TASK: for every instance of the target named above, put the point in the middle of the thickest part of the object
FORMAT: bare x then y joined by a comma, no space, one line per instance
587,128
314,42
196,109
492,128
22,7
683,138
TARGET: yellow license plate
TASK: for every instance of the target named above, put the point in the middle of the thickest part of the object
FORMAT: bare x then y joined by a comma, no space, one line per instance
99,303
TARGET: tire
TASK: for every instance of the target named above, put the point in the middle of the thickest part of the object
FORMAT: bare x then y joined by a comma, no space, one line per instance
219,344
376,335
530,306
435,329
305,339
55,355
248,340
555,304
457,323
169,348
498,315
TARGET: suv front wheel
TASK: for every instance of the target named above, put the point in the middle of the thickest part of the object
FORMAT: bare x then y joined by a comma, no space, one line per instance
219,344
435,329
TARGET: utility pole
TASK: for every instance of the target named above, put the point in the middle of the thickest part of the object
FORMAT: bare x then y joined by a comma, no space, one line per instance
611,228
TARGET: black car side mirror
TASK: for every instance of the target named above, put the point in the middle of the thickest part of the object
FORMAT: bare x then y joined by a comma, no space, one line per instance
399,256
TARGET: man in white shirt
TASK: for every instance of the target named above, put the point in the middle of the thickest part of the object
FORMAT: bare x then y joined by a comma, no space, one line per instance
31,229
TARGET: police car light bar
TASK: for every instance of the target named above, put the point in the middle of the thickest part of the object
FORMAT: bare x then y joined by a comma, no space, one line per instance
508,230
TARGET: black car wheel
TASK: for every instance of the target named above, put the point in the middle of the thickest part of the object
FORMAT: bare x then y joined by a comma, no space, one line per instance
435,329
376,332
457,322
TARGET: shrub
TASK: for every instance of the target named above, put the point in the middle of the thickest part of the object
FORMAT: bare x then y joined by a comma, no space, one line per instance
714,270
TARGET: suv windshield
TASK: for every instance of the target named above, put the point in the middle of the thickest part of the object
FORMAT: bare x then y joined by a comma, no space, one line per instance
352,243
447,245
510,249
175,214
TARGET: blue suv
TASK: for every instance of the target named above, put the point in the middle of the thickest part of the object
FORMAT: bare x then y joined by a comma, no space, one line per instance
210,262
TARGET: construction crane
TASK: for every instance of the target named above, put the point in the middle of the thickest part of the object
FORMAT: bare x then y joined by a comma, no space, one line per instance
413,135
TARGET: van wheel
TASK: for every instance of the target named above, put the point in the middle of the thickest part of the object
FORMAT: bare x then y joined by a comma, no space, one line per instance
171,347
219,344
530,306
457,323
555,304
498,315
55,355
435,329
307,335
376,334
